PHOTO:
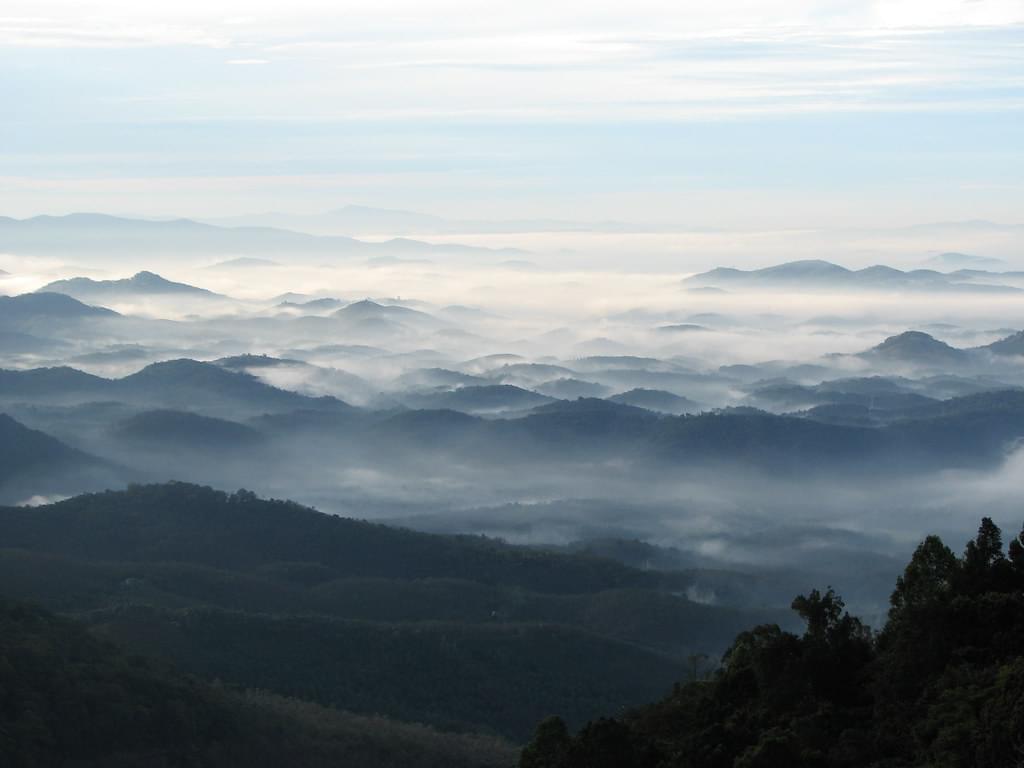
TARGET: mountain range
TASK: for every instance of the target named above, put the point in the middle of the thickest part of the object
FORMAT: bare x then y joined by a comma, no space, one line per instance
364,220
28,309
32,461
463,632
824,275
952,261
923,349
221,403
140,285
179,383
657,400
76,698
919,348
100,234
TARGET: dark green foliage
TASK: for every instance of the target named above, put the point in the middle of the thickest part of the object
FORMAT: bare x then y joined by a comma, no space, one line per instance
68,699
604,743
178,522
549,747
646,617
941,685
64,695
928,577
460,632
457,676
985,568
1016,555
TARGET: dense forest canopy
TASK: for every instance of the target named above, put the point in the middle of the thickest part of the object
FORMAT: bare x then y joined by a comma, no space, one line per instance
942,683
67,698
464,633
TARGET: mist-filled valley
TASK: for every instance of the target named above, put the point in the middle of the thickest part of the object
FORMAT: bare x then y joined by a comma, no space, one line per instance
306,498
765,429
422,384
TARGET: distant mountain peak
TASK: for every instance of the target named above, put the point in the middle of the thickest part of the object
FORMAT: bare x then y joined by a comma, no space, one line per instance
954,260
153,281
910,337
26,452
816,266
818,274
916,346
1009,345
101,233
367,309
50,304
143,282
656,400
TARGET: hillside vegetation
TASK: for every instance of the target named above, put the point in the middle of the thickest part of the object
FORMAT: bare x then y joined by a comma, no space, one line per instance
942,684
462,632
67,698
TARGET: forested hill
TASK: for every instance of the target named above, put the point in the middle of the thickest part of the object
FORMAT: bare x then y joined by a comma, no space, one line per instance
942,684
179,522
67,698
460,632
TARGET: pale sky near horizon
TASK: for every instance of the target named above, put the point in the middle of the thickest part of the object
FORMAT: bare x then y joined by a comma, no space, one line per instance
741,113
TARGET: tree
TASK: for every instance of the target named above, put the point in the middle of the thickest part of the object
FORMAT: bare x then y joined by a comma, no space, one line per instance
823,613
827,620
1016,557
549,746
942,685
777,748
607,743
987,548
929,576
985,567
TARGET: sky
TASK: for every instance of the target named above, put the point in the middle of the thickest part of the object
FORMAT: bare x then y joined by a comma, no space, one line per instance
747,114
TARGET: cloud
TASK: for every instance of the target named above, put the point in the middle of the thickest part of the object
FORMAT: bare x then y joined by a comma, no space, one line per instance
72,32
432,83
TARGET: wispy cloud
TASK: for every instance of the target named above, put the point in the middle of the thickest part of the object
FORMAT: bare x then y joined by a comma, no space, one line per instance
642,61
281,88
86,32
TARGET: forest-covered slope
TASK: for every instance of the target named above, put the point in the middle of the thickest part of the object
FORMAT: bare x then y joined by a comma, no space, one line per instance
942,684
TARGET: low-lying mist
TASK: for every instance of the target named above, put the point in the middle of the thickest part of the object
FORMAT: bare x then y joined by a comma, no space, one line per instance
442,394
